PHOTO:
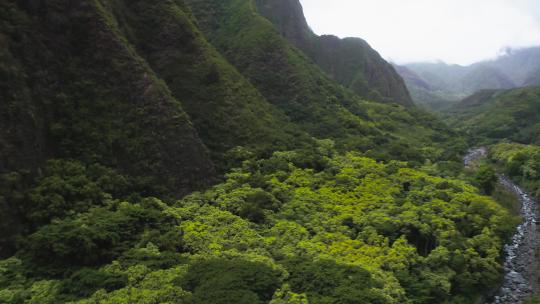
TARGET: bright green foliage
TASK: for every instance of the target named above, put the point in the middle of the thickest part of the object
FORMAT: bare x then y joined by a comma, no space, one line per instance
486,179
345,229
285,296
432,236
520,162
144,286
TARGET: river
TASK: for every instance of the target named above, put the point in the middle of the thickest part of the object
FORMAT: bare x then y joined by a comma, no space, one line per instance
520,264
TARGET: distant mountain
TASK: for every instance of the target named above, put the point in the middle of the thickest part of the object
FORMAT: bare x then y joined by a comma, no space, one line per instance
412,77
350,61
519,64
448,84
426,94
483,77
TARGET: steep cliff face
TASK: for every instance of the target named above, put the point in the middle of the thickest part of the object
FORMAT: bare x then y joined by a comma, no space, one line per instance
220,101
288,17
351,61
75,88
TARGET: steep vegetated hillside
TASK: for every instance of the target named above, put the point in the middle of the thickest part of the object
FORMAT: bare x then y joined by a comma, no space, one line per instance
195,152
73,88
164,33
351,61
136,89
493,115
291,81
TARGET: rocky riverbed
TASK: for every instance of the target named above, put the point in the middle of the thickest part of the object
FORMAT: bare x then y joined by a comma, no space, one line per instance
520,266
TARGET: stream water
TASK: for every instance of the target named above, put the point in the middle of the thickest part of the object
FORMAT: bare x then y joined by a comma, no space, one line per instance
520,265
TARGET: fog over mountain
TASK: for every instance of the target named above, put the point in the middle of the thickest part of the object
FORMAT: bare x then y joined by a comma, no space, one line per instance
437,85
454,31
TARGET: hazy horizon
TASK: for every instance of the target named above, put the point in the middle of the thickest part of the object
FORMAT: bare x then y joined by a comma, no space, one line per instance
452,31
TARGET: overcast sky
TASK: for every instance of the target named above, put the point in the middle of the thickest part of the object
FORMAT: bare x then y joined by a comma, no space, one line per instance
454,31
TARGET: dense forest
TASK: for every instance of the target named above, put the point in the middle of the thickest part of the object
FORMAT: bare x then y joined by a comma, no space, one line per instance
219,151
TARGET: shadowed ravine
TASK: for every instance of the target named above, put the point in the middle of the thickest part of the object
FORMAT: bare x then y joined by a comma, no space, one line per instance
520,259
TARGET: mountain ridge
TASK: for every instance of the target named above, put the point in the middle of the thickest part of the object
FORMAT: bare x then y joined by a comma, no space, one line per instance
350,61
449,83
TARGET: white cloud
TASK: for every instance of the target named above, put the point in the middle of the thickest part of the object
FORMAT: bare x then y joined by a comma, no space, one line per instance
455,31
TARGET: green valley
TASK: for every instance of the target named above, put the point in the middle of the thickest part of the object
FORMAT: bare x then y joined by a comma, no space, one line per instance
219,151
